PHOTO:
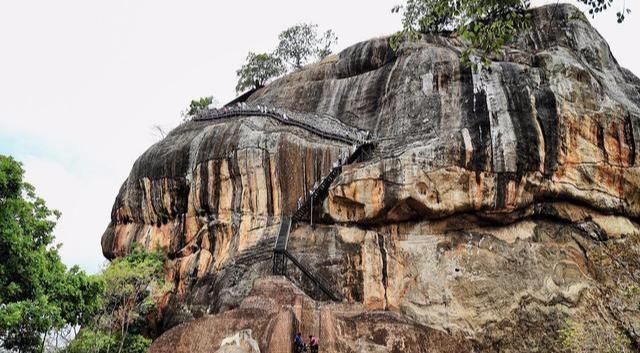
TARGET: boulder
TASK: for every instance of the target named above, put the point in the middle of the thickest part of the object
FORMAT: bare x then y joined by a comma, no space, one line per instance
498,210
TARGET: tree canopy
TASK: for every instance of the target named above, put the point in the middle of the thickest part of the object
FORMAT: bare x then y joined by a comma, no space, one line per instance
297,45
133,287
198,105
38,295
258,70
300,43
486,25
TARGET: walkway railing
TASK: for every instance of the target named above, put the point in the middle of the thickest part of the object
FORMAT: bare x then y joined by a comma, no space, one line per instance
356,137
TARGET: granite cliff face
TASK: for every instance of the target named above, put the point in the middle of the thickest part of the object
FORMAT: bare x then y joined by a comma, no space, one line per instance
498,212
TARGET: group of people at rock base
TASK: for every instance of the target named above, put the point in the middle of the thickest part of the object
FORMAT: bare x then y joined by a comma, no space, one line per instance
301,346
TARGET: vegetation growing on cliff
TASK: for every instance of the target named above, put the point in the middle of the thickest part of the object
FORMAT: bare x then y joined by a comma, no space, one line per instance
42,303
133,287
593,336
486,25
258,70
297,45
198,105
300,43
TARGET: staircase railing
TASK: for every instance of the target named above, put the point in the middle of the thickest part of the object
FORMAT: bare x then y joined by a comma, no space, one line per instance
318,193
315,279
321,191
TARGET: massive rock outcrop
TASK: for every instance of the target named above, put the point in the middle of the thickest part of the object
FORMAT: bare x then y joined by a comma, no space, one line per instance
498,212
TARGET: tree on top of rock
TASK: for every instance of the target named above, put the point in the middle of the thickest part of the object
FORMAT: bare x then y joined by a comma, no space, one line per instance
297,46
300,43
486,25
325,42
258,70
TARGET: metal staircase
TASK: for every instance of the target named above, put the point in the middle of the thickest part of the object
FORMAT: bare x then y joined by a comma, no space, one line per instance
331,129
304,211
279,251
321,191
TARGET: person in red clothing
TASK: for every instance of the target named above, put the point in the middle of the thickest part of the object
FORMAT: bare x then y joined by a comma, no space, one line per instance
313,343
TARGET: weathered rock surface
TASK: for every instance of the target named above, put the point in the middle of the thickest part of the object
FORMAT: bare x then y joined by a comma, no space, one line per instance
499,212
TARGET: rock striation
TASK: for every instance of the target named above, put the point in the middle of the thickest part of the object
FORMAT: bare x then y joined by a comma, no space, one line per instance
498,212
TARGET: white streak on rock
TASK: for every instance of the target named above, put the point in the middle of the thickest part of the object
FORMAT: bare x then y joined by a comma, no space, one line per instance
468,146
503,138
427,83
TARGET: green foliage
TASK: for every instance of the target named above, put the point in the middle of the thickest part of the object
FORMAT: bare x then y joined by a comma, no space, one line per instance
598,6
299,43
198,105
92,341
632,293
486,25
132,287
258,70
104,342
37,293
40,297
593,336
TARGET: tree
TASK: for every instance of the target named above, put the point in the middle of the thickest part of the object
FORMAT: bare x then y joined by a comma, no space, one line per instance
198,105
38,296
326,42
598,6
133,286
299,43
486,25
258,70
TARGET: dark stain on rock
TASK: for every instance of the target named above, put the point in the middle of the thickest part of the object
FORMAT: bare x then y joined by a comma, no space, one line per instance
234,174
476,119
600,139
203,175
547,110
522,117
502,185
266,166
630,140
363,57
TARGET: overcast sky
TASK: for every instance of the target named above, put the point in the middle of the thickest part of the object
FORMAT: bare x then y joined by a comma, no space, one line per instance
83,82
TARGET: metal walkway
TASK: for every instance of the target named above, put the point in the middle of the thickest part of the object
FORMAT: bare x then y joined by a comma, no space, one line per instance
350,135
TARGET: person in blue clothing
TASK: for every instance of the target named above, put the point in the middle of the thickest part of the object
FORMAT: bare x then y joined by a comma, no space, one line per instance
299,343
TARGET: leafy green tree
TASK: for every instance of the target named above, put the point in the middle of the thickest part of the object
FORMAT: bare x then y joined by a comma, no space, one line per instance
133,286
196,106
37,294
486,25
258,70
598,6
300,43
